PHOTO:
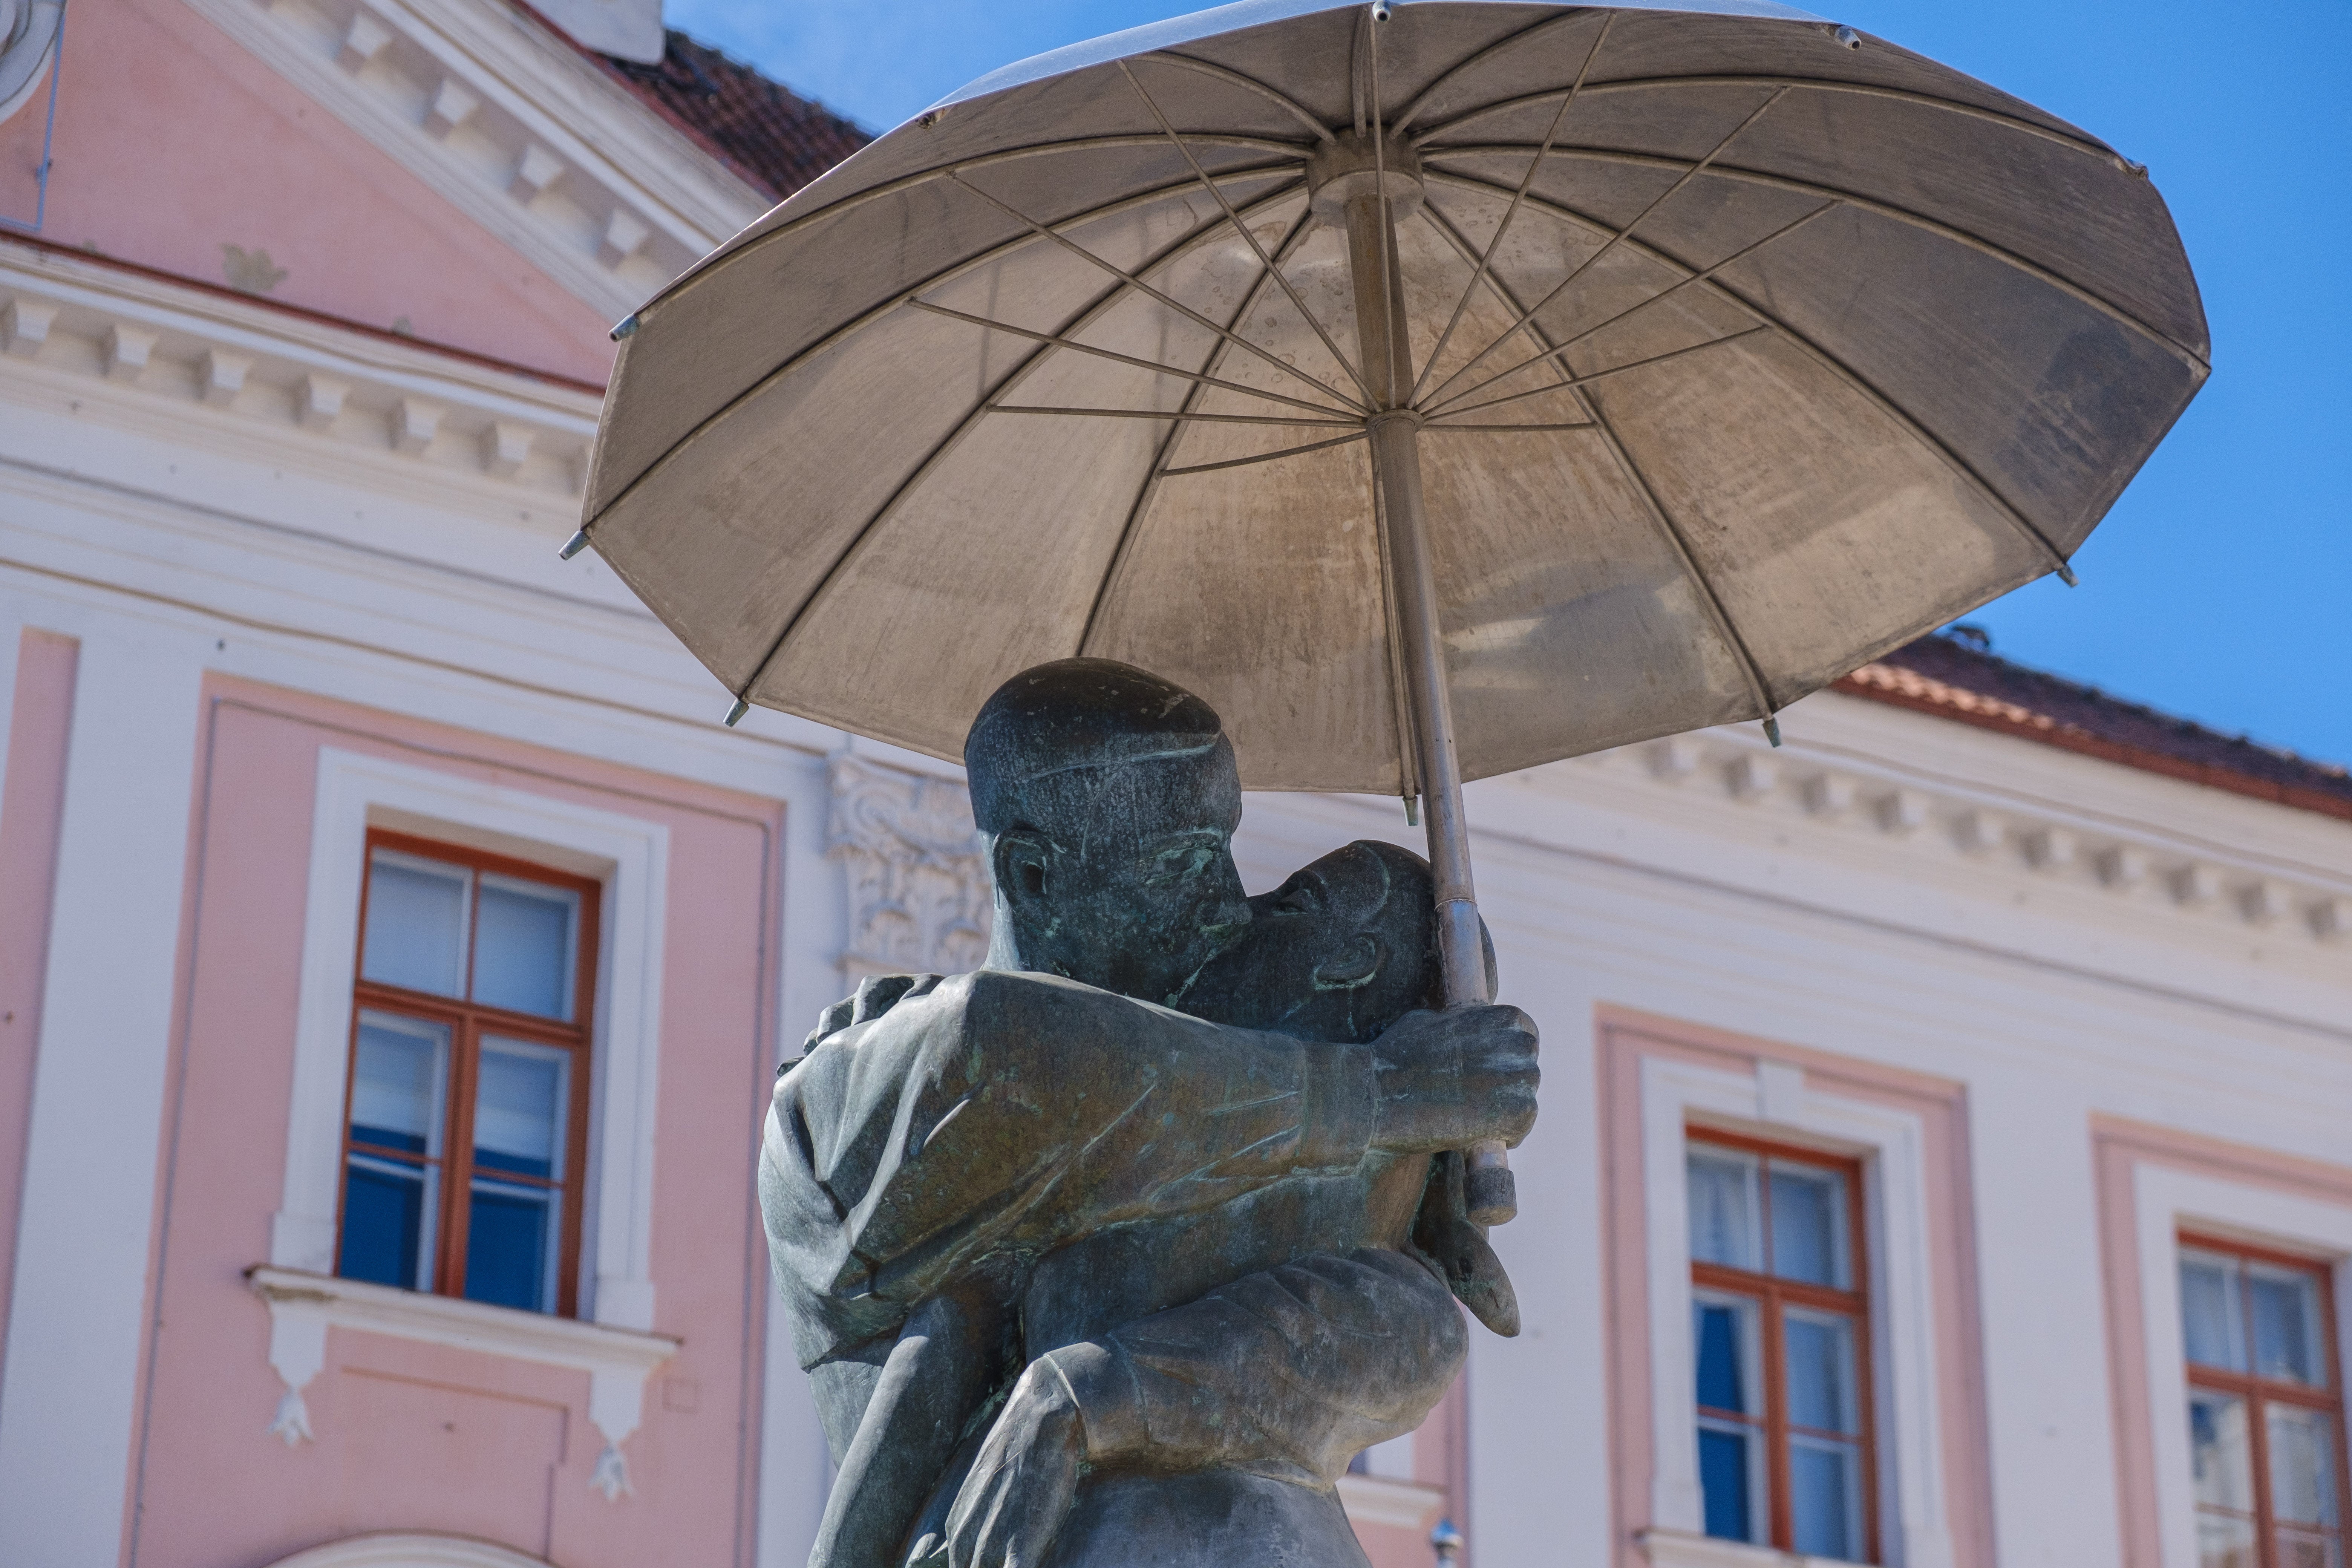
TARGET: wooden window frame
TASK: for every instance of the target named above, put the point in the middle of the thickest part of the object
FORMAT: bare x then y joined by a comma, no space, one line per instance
2259,1392
1773,1295
467,1022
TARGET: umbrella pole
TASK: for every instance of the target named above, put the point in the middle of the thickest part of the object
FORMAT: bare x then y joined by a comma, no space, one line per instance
1396,465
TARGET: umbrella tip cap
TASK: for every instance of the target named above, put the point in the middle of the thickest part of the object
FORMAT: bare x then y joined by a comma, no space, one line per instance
626,328
1773,730
734,714
574,545
2067,575
1379,10
1848,36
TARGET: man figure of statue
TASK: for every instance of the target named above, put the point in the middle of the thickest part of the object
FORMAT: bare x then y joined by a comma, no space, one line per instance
1118,1248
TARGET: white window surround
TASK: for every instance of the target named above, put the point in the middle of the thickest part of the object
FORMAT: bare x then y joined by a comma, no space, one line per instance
408,1548
631,855
1914,1531
303,1307
1681,1549
2165,1201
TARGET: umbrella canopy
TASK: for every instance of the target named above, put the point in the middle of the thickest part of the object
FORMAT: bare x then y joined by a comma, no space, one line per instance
1743,347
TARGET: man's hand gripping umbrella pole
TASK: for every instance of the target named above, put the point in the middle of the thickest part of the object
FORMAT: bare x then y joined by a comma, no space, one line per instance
1366,184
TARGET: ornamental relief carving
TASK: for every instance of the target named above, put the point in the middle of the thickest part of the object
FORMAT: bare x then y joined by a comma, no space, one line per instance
919,899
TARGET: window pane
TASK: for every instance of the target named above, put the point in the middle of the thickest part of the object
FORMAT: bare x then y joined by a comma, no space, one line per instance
2285,1305
519,1101
399,1068
1825,1499
1723,1336
1820,1372
415,924
2224,1543
2301,1549
2303,1466
1731,1482
1808,1225
522,958
2209,1321
510,1246
1725,1219
2219,1451
388,1214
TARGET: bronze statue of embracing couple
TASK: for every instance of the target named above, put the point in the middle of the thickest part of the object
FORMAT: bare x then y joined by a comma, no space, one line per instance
1113,1253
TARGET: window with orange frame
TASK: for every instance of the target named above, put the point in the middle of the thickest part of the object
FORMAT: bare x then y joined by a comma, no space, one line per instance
2265,1406
1780,1334
467,1106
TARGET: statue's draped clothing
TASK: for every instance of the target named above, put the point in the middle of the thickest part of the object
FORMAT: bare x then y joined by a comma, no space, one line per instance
1176,1212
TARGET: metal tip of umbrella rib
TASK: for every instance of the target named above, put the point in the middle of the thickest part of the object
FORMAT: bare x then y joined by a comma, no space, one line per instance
1413,811
574,545
742,706
628,325
1379,10
1773,730
2067,575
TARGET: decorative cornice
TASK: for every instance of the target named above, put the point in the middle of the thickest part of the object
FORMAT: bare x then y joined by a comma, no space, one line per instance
1845,791
919,897
303,1307
155,345
512,126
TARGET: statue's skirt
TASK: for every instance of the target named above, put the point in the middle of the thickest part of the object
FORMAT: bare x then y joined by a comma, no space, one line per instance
1204,1519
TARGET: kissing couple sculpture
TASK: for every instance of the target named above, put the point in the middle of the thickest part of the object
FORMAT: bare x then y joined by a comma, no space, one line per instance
1114,1252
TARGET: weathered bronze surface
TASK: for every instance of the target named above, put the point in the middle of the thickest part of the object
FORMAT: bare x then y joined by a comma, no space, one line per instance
1118,1248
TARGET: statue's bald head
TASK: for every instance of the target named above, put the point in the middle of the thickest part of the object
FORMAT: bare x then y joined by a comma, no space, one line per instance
1056,737
1108,795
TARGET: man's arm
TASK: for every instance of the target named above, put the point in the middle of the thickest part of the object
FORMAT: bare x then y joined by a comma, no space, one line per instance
1018,1108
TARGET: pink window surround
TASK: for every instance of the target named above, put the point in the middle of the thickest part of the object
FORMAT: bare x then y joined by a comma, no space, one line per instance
2154,1183
407,1434
1660,1076
32,807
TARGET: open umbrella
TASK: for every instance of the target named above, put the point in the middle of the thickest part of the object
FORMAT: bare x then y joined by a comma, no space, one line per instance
1438,390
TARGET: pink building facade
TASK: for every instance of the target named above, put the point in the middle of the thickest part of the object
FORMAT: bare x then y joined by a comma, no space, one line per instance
1946,1152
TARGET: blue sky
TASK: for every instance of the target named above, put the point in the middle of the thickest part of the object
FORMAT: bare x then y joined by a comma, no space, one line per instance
2220,585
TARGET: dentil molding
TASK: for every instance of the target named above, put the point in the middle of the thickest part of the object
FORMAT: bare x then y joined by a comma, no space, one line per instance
304,1306
919,897
148,348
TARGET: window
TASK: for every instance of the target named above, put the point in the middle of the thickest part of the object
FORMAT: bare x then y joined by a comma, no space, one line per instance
2265,1410
468,1103
1780,1334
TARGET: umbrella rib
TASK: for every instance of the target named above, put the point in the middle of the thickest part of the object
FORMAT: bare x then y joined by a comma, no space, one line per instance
1615,235
1657,512
1494,242
994,407
1151,366
1579,379
1267,456
944,275
1705,590
1858,90
1829,362
1505,45
1136,283
1298,111
952,439
1513,429
703,268
1666,293
1960,236
1149,487
1231,216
